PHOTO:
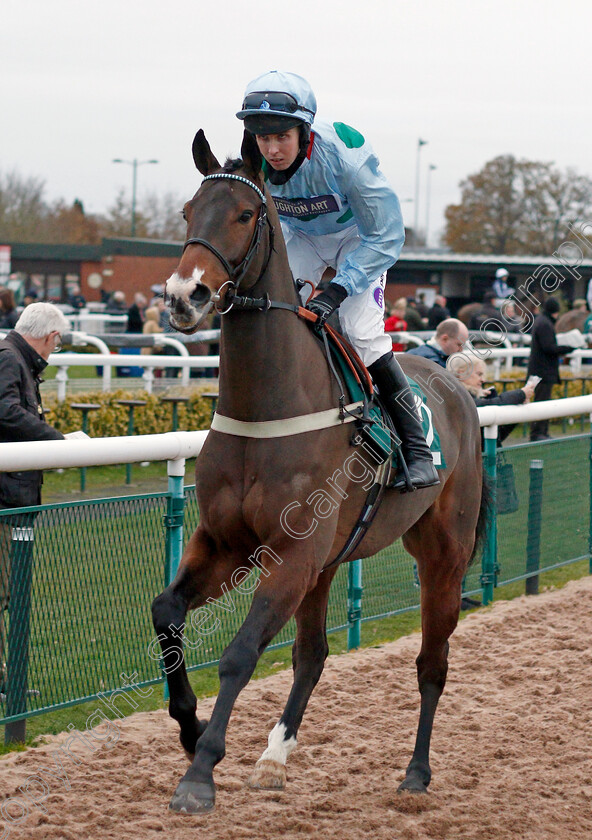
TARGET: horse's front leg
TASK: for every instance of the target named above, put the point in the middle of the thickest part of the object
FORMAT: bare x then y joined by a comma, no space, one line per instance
274,602
200,576
309,652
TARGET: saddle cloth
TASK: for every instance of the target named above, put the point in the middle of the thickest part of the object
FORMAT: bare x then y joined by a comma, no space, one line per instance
380,426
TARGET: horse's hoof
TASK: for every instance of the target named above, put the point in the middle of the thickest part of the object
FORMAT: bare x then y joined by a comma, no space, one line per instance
268,775
193,798
413,784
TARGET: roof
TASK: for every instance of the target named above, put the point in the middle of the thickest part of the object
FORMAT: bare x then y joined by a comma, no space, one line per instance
506,260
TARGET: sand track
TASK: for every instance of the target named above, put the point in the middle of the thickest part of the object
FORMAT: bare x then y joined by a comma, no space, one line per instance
511,753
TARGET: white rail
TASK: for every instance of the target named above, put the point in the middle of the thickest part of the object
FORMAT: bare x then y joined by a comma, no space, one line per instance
176,446
108,360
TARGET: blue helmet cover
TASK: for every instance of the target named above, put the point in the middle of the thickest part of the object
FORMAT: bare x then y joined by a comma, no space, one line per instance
284,82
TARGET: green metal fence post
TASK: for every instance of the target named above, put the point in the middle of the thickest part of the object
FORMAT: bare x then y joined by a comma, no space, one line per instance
535,516
21,573
489,563
131,405
84,408
354,604
173,523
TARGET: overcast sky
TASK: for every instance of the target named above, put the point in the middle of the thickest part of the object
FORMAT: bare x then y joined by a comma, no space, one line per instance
83,82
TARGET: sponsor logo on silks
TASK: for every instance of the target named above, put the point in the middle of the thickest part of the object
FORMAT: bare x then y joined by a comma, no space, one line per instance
306,209
379,296
265,106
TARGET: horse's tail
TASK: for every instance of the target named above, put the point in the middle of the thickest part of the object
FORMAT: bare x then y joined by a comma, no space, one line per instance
484,509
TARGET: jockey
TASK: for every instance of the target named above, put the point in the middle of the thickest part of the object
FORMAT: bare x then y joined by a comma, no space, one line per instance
338,211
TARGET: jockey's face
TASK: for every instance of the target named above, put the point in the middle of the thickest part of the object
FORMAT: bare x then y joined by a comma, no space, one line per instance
280,150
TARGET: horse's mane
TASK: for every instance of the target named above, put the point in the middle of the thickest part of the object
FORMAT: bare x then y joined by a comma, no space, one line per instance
232,164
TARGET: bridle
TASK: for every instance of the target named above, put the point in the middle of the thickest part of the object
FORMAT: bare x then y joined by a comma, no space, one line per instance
237,274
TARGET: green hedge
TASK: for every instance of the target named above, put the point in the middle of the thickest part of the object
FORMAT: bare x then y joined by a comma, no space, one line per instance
111,420
574,387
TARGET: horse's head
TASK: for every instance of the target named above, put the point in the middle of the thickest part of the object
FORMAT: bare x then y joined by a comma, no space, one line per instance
225,220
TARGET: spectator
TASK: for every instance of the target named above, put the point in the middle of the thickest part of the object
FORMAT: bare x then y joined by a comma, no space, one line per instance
489,315
135,314
8,313
510,318
23,356
415,323
396,323
438,313
422,307
116,304
30,297
151,326
544,361
450,337
500,287
75,298
472,373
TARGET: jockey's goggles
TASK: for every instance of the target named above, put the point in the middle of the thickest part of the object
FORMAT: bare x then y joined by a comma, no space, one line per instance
275,100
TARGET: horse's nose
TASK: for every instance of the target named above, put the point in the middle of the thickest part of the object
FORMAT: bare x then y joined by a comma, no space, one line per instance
200,295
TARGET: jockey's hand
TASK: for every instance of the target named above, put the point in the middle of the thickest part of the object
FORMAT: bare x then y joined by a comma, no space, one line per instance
326,303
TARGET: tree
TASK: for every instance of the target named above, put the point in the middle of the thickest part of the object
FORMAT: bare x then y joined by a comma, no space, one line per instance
23,210
118,220
71,225
517,207
164,216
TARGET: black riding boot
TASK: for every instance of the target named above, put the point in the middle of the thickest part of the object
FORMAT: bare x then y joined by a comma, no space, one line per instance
399,401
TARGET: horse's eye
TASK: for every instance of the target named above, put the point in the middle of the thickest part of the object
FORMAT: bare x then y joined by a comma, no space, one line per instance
182,212
246,216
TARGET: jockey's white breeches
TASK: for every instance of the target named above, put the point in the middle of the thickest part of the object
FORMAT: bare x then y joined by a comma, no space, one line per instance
361,315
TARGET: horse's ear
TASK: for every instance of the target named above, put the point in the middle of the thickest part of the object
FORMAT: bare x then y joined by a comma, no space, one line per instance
202,154
251,155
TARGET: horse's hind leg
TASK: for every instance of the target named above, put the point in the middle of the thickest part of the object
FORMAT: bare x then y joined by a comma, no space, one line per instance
442,558
309,652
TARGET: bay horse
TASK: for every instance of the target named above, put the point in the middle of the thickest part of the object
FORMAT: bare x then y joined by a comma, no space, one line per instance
273,368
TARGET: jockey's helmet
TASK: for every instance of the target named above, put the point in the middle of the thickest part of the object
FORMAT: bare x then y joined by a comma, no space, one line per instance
276,102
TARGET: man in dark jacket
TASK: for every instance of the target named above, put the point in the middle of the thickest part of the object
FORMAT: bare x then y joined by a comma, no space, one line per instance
450,336
23,356
438,313
413,318
544,361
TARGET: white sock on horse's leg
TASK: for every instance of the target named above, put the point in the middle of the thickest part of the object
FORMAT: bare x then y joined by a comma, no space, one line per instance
270,770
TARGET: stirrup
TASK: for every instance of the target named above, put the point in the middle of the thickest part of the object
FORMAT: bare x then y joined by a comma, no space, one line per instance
402,479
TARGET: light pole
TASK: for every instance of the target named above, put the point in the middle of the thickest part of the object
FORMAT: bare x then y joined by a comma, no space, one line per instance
431,168
134,164
420,143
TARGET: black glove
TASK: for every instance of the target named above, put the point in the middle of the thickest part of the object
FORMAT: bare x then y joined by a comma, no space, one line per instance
326,303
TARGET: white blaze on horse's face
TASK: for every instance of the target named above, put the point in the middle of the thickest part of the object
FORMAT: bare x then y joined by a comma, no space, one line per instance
188,297
183,287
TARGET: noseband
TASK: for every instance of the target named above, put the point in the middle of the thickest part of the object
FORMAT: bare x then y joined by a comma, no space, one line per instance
237,274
